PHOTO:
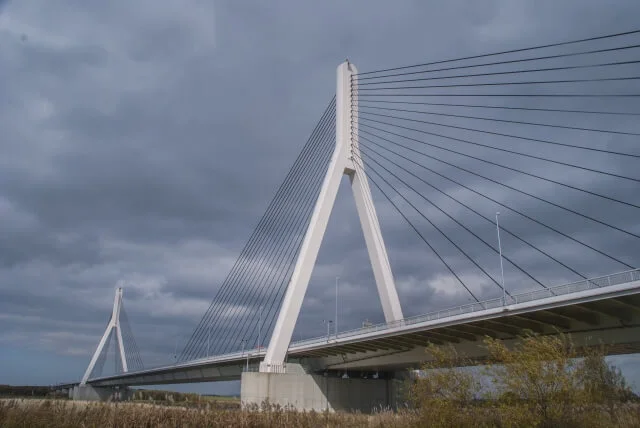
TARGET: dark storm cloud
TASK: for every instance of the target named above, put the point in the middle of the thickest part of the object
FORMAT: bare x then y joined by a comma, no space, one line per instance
141,142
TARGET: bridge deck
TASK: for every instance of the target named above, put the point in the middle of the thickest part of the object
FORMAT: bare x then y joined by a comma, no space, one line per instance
605,309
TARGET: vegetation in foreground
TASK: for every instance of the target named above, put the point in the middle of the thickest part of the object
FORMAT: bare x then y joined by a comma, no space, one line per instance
540,383
197,401
25,391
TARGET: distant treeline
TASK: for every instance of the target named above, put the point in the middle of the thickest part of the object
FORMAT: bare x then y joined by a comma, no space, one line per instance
24,391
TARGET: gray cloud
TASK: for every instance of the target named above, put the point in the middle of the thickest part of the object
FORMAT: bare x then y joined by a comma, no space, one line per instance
141,142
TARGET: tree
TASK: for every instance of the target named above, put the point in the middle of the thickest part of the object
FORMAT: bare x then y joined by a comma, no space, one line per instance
602,382
443,392
540,381
539,375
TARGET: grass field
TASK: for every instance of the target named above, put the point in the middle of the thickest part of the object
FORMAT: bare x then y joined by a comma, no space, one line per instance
64,413
36,413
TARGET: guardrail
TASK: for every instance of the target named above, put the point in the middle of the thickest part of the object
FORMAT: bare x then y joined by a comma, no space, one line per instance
573,287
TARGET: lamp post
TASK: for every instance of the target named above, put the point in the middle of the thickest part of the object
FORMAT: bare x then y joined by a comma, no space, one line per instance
328,323
336,318
175,350
504,290
259,329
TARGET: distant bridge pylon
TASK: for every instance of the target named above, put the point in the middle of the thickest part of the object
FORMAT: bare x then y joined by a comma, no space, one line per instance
127,354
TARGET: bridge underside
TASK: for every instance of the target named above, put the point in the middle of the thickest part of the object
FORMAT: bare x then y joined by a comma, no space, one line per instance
591,319
214,372
614,322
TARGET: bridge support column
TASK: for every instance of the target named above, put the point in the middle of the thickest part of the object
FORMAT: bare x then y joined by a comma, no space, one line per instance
112,328
345,160
98,393
302,391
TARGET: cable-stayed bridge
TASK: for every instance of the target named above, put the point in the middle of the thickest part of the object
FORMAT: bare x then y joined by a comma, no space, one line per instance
422,137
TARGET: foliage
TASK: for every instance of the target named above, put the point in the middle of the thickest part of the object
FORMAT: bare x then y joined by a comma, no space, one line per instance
539,382
539,376
446,389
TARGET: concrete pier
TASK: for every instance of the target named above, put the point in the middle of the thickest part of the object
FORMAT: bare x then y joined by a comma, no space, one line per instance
94,393
303,391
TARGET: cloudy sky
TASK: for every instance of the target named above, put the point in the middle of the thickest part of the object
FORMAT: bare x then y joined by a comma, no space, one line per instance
140,142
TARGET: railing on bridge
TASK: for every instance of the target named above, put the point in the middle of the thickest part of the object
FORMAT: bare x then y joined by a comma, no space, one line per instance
573,287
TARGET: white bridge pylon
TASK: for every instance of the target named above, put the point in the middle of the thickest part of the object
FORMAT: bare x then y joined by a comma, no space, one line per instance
112,327
345,160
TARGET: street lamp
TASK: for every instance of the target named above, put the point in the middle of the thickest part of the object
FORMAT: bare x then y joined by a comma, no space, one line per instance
504,290
336,326
328,323
259,329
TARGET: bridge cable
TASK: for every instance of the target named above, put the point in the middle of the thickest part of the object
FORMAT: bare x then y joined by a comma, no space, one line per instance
549,110
255,241
451,217
507,52
99,366
493,119
497,202
276,203
535,82
375,183
474,143
498,73
458,201
286,254
370,209
430,222
128,347
282,254
508,95
509,168
132,346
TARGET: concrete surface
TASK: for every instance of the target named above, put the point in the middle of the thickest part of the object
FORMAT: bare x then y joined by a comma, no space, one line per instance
94,393
303,391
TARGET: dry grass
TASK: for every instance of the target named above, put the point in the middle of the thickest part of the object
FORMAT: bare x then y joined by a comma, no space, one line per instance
60,413
63,413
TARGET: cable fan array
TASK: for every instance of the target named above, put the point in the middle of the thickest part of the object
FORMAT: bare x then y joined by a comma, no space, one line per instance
558,124
243,313
131,351
547,134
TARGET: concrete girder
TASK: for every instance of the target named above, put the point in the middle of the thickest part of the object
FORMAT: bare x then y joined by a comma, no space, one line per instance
548,318
626,304
397,342
358,347
459,334
501,326
611,311
633,299
439,336
421,340
415,341
525,323
476,330
583,315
